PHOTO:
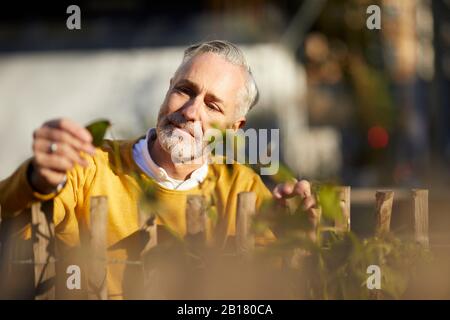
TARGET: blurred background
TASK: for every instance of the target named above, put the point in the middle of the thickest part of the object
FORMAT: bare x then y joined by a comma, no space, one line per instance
365,108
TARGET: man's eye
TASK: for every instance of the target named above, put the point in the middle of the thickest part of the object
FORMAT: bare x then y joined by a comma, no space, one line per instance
184,90
212,107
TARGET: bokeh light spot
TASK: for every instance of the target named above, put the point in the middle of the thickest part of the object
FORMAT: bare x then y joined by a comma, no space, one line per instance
378,137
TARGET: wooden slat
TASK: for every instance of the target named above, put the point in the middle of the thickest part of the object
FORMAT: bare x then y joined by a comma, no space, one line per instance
43,237
420,208
196,219
148,229
97,260
245,241
149,235
1,242
384,200
342,224
17,280
364,196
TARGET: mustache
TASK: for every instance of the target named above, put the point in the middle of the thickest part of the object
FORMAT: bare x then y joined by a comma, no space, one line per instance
178,120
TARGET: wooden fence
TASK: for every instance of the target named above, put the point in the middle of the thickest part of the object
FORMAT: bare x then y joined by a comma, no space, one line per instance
42,262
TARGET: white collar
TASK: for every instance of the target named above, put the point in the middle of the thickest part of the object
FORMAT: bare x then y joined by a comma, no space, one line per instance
160,174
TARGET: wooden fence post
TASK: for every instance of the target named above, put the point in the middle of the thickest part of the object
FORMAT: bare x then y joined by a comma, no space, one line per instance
17,278
384,200
246,206
43,237
196,219
342,224
420,209
1,242
97,258
2,259
148,228
149,236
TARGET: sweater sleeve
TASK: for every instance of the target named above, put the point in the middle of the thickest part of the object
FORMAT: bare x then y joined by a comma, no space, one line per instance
16,193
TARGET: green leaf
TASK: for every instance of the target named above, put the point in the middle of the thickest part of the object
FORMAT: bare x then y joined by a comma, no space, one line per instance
330,203
284,174
212,213
98,130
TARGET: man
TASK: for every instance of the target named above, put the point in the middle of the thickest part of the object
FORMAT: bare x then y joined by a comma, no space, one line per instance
213,87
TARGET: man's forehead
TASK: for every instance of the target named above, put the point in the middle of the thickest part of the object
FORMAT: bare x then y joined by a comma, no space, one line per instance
211,70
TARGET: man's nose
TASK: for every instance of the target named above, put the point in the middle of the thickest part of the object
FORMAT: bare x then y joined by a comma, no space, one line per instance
191,110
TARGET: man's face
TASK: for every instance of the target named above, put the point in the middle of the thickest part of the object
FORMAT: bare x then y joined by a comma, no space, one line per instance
203,94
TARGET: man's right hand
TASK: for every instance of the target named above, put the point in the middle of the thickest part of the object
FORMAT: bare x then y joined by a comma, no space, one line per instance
57,148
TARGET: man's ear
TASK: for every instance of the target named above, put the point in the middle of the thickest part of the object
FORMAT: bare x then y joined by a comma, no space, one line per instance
239,123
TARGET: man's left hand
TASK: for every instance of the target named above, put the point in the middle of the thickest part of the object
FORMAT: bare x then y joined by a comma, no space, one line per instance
282,192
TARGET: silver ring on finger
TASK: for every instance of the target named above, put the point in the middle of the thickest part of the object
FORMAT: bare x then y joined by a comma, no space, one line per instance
53,147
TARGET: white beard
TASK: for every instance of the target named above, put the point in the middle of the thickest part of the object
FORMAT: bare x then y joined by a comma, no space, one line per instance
179,142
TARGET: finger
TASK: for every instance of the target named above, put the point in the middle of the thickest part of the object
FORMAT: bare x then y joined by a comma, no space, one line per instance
72,127
71,154
63,150
53,162
308,203
56,135
51,177
66,151
59,136
287,189
314,216
303,188
276,192
283,190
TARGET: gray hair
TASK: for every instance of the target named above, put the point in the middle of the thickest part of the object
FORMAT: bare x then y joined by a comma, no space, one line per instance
249,97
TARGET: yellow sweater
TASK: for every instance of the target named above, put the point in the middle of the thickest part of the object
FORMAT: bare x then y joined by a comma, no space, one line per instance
102,178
